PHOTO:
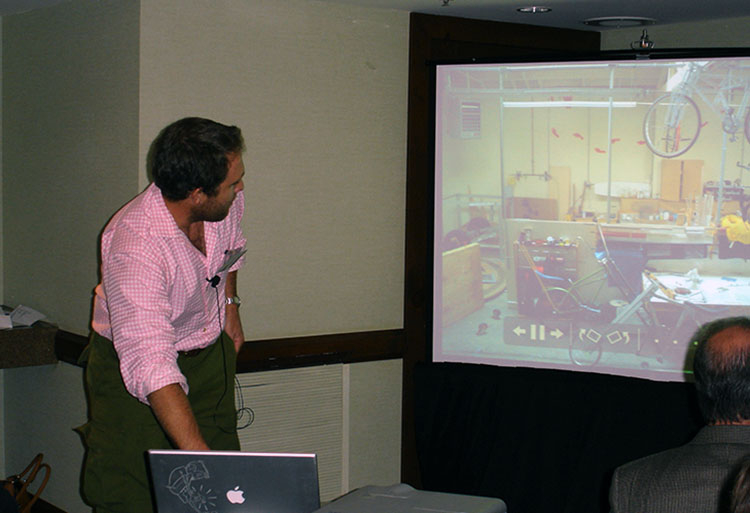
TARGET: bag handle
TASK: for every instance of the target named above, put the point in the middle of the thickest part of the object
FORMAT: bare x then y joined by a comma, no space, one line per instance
32,497
22,480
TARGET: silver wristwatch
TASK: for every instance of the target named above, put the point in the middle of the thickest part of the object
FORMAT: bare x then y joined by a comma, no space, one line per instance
234,300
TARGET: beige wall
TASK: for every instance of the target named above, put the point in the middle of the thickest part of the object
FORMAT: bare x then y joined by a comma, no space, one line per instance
320,92
374,424
70,94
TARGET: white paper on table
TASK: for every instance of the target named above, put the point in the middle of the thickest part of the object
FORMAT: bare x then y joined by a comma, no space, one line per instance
5,322
25,316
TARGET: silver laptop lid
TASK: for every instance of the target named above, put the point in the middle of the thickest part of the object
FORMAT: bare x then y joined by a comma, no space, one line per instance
233,482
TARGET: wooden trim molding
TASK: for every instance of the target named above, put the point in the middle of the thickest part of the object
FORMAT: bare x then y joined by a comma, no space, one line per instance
69,346
283,353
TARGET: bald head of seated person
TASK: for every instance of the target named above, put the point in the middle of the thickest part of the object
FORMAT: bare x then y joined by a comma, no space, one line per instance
695,477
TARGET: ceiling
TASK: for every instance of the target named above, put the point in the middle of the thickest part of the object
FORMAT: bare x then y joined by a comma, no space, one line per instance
564,13
570,13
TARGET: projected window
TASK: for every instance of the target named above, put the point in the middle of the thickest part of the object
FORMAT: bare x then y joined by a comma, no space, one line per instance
594,216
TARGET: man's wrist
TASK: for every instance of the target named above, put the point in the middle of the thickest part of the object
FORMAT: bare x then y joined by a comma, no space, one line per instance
233,300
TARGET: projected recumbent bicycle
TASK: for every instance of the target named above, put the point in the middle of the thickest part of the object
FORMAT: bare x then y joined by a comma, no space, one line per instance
673,121
563,299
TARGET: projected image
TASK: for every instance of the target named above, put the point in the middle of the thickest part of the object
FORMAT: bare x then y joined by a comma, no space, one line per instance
590,215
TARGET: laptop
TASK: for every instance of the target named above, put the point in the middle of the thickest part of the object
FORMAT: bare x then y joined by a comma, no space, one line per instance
402,498
233,482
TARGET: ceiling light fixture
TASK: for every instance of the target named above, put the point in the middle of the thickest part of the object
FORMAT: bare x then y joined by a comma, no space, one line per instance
619,21
534,9
644,43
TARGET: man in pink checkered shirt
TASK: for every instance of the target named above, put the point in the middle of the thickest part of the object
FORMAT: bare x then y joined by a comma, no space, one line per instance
166,324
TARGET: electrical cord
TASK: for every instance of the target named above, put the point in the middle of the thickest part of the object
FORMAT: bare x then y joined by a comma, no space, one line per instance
243,410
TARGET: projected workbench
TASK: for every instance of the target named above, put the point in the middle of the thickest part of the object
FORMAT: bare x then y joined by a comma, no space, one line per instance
707,290
660,240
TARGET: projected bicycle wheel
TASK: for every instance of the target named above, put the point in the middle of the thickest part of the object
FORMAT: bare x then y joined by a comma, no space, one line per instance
672,125
585,347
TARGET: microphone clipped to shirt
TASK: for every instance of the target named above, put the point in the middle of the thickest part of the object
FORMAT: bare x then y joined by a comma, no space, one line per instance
214,281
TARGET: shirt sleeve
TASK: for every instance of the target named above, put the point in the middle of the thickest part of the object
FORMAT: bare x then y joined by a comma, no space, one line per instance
135,278
238,238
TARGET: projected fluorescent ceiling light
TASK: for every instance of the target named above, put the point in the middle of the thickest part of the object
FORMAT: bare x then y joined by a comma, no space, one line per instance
599,104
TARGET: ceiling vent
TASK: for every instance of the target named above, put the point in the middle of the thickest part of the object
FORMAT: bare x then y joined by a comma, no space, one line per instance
619,21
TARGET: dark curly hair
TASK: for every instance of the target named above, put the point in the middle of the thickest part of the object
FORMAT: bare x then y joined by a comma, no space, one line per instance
722,369
193,153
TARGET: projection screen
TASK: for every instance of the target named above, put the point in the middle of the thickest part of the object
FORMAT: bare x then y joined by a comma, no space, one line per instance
589,214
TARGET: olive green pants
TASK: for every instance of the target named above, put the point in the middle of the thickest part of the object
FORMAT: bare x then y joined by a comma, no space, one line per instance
121,428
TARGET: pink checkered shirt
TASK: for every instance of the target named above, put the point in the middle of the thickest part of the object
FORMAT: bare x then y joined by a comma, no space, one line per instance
154,299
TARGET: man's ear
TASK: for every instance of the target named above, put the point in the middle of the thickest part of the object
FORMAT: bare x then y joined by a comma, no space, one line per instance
197,196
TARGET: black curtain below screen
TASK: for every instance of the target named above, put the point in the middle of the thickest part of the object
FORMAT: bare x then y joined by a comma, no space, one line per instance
541,440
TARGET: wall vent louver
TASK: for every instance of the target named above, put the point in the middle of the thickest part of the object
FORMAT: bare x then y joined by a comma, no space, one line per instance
297,410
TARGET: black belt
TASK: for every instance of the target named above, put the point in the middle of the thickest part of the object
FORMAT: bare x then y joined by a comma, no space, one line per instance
191,353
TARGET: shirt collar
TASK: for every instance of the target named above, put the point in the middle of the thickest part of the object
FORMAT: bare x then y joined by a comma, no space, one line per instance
163,224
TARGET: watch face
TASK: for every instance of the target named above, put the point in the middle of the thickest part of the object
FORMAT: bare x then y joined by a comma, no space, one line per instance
234,300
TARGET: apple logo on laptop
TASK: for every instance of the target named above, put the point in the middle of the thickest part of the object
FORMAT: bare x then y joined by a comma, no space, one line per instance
236,496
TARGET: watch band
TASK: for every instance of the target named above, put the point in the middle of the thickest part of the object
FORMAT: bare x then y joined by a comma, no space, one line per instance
234,300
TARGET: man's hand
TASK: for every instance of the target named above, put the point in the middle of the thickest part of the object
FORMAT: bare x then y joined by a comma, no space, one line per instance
233,326
172,410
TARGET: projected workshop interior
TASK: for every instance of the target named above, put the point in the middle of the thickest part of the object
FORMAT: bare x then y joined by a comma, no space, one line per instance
590,215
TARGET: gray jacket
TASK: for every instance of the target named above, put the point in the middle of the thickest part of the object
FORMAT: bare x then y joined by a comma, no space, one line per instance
686,479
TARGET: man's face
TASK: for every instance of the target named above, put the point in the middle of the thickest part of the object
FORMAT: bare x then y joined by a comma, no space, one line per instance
215,208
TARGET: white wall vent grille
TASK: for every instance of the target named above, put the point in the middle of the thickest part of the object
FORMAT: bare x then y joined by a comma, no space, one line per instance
297,410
